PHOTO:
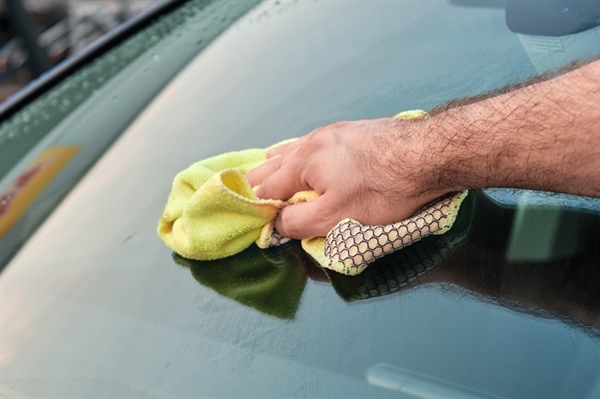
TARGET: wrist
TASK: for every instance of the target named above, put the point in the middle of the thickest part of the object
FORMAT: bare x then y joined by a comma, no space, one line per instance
408,151
466,148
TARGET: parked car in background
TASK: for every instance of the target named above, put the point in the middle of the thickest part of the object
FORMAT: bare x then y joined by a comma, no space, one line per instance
506,304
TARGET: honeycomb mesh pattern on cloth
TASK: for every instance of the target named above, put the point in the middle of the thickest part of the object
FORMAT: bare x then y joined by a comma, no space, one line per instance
355,245
391,274
403,268
350,246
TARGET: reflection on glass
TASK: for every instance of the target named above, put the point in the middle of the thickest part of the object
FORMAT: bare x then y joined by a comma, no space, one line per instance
543,262
471,259
270,281
418,385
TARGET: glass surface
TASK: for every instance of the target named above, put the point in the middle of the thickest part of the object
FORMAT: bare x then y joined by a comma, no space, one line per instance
88,111
504,305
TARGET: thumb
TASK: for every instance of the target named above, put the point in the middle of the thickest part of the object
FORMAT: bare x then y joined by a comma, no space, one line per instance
304,220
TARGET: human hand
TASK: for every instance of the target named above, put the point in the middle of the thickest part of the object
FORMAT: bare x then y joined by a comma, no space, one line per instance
381,171
373,171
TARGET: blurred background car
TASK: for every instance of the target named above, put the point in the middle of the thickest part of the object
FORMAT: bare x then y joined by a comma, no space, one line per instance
507,304
37,34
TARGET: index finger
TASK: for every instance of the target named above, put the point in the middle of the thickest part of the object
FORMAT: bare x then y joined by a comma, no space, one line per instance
257,175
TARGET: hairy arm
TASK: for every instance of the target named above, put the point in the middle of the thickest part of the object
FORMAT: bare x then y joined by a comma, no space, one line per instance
545,135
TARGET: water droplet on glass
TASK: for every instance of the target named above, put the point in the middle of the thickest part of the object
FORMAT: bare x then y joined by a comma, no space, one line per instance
156,57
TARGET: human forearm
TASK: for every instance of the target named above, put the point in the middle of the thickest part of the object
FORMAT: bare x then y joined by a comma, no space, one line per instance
542,136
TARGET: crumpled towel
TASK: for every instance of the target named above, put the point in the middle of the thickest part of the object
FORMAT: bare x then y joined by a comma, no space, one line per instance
212,213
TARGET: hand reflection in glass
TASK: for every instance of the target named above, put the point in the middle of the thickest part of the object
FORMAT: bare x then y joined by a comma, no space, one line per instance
469,259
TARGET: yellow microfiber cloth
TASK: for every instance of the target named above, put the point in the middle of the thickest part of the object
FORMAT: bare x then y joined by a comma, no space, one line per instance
213,213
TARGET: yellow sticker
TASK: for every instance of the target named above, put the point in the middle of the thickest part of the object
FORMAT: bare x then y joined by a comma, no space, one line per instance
30,184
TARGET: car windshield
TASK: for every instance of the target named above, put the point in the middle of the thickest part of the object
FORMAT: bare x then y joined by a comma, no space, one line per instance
506,304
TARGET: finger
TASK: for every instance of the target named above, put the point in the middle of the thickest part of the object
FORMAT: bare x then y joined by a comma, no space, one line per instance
304,220
281,149
257,175
282,184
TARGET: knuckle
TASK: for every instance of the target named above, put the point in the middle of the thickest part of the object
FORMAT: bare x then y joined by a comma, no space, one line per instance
339,125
